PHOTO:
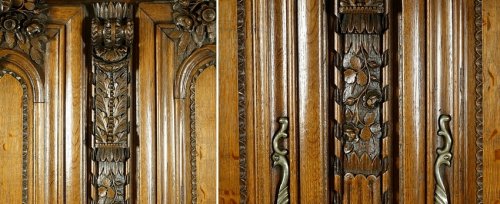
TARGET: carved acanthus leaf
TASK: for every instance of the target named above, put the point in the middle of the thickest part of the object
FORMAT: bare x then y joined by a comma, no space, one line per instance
112,34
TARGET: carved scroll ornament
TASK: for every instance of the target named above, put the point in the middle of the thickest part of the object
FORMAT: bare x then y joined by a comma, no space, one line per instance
112,37
22,27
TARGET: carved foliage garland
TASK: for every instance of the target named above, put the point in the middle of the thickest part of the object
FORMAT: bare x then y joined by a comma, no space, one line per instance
22,27
195,25
360,58
112,37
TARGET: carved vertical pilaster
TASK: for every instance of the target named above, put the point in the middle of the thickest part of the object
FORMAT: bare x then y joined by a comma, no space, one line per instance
112,35
360,151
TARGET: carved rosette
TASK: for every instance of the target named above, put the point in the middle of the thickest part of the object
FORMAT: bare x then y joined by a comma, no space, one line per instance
360,59
22,27
112,36
195,25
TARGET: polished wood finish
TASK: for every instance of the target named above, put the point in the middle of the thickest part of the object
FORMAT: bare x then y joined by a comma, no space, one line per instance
229,148
65,95
276,62
313,110
206,136
172,59
412,97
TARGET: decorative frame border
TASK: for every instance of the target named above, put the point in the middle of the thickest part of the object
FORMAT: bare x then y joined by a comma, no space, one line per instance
478,64
242,116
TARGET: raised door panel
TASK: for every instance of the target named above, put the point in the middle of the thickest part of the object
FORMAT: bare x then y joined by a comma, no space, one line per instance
52,81
176,103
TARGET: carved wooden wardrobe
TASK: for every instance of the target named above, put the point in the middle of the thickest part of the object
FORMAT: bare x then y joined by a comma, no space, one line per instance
249,101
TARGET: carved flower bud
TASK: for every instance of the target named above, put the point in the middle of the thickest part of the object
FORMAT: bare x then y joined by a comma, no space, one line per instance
5,5
10,22
184,3
208,14
34,29
185,22
372,98
350,132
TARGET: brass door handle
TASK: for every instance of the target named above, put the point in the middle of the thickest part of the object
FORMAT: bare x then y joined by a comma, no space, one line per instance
444,158
279,159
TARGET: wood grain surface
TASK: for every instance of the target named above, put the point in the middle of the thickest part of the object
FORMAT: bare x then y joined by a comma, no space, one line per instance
491,107
11,139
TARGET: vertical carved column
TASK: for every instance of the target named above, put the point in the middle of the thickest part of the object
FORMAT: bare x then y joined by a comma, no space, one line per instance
361,157
112,36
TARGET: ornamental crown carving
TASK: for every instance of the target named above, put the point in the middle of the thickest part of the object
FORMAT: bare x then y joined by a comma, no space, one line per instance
22,27
112,31
361,6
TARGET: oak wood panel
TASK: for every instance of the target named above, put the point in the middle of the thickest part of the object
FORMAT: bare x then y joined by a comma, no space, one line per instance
229,153
56,135
313,113
491,47
24,72
271,92
445,62
248,63
167,165
171,59
146,100
412,98
260,190
469,77
206,136
71,82
12,139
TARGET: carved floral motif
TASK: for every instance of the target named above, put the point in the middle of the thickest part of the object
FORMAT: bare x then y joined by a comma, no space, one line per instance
195,24
359,130
362,99
22,27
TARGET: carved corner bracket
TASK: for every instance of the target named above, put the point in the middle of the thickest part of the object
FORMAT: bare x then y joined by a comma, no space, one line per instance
22,27
444,158
112,35
279,158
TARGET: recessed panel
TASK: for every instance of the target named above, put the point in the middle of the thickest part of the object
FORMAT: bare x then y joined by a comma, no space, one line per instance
12,139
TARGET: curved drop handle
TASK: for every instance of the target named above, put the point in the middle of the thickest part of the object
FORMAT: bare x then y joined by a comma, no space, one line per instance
444,158
279,159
